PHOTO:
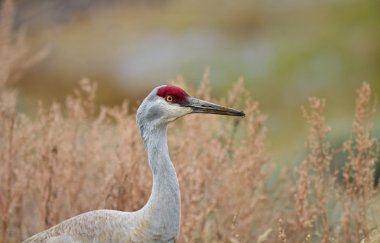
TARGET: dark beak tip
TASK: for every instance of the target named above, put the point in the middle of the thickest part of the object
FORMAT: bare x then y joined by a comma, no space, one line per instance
241,114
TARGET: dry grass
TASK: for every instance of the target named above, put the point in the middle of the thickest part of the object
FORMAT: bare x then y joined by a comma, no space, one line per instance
319,196
77,156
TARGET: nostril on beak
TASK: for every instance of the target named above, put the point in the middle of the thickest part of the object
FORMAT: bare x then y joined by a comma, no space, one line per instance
207,106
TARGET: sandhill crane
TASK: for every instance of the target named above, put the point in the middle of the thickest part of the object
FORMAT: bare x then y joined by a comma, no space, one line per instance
159,219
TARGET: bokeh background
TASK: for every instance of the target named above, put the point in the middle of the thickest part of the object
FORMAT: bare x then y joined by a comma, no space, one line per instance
286,51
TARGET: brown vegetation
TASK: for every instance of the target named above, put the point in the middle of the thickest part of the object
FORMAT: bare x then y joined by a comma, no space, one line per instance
77,156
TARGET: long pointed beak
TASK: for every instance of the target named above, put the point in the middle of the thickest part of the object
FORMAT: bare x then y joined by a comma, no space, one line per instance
201,106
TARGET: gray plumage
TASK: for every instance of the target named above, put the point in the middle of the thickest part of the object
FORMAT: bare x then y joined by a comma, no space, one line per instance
159,219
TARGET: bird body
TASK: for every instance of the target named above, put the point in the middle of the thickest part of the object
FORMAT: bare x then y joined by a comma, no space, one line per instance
106,226
159,219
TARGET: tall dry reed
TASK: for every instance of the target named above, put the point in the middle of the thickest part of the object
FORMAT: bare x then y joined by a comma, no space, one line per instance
328,211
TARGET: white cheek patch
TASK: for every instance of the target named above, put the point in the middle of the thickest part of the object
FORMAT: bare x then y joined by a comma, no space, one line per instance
175,111
178,111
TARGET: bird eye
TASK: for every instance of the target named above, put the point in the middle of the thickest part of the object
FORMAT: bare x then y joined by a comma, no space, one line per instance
169,99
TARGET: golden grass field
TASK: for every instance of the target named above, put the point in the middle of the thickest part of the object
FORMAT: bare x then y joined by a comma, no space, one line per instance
77,156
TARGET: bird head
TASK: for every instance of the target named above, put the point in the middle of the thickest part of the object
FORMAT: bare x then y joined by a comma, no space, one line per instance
168,103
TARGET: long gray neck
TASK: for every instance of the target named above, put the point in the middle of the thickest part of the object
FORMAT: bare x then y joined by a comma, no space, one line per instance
163,207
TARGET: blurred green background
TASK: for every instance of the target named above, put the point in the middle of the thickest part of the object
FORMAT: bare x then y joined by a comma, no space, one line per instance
286,51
